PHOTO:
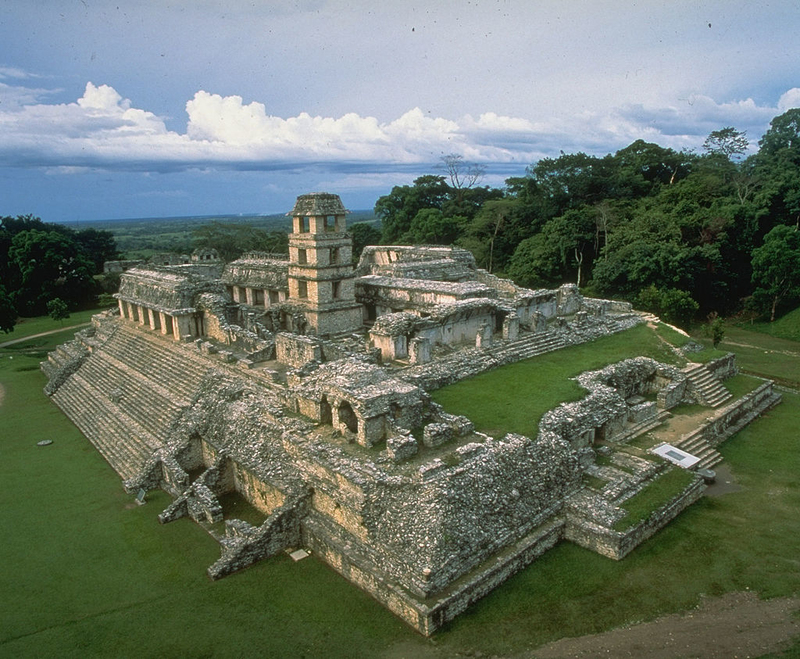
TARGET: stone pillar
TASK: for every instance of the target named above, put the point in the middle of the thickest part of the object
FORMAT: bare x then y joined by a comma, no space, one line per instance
248,296
419,350
121,308
142,315
131,315
511,327
176,329
152,317
163,319
483,339
538,322
184,326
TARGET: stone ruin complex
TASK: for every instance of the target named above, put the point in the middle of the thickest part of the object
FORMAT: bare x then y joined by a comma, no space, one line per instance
302,386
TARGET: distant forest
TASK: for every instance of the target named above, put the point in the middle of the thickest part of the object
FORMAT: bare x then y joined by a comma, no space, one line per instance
686,235
678,233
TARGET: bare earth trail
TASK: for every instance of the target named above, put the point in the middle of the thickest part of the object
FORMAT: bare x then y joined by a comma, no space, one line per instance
788,353
734,625
36,336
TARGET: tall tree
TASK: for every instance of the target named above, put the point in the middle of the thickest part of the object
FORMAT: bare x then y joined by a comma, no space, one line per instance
727,142
8,312
776,268
397,210
50,265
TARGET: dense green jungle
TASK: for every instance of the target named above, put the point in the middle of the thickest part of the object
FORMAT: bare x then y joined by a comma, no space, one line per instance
689,236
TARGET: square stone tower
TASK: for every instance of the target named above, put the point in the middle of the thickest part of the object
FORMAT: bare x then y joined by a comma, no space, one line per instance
321,266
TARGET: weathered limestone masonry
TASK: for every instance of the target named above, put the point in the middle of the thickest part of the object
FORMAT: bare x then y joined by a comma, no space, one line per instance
297,391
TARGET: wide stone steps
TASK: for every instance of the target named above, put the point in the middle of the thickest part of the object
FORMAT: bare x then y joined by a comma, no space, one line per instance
632,432
128,394
169,366
152,406
121,441
696,445
529,346
710,390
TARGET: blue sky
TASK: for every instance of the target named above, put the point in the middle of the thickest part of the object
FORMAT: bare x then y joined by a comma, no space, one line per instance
151,108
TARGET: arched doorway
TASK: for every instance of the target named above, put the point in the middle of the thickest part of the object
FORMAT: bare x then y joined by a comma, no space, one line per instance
347,417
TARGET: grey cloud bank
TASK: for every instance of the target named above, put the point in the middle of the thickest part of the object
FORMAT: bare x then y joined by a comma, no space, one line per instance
358,96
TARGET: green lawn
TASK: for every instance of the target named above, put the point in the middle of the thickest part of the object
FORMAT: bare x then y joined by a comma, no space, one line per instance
85,573
29,326
785,327
514,398
764,355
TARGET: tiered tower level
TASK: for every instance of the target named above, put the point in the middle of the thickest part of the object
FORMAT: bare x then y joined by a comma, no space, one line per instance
321,278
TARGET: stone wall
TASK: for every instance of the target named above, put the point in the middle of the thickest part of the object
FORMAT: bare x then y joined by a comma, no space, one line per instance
618,544
724,367
732,418
296,350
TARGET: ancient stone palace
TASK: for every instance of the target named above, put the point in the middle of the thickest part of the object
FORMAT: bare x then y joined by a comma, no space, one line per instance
301,387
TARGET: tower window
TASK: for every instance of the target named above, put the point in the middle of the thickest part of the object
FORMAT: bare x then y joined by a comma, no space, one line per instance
305,223
301,256
336,289
302,289
330,223
334,255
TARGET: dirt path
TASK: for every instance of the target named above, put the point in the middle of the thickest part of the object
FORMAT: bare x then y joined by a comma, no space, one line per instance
680,424
789,353
734,625
36,336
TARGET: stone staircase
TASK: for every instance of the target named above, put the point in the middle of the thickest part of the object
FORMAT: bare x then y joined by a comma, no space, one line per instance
633,431
528,346
710,391
467,362
126,397
695,444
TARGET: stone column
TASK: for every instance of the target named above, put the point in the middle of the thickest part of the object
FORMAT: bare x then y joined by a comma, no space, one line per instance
483,339
248,296
121,308
163,320
538,322
151,317
176,328
511,327
419,350
142,315
185,326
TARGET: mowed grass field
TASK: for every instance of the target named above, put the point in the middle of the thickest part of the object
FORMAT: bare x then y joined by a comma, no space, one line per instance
87,573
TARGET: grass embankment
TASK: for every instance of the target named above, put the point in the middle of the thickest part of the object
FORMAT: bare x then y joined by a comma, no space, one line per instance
87,574
514,398
655,495
29,326
785,327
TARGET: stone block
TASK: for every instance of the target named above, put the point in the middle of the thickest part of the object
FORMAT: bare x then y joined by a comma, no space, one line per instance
401,447
436,434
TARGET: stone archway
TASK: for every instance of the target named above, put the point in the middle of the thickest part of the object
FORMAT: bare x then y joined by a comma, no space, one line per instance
325,412
347,417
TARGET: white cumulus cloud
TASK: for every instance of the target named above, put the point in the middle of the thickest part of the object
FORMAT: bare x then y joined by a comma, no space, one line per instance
102,129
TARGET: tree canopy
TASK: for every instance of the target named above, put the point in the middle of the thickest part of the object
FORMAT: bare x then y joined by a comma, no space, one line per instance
646,223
